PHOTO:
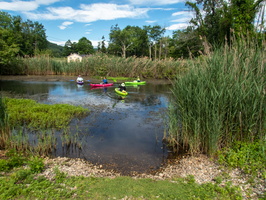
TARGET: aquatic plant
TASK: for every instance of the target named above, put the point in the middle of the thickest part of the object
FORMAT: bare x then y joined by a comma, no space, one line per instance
41,116
221,100
45,143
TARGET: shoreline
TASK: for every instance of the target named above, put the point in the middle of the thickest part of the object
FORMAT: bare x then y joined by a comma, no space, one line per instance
203,168
59,78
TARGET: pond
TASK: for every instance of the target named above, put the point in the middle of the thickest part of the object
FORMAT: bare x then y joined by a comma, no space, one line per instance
124,134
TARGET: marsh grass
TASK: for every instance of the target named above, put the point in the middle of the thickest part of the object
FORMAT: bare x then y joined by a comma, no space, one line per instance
221,100
31,126
46,143
4,124
102,65
41,116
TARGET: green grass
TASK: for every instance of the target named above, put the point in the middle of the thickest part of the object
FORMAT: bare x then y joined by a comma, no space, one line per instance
20,181
41,116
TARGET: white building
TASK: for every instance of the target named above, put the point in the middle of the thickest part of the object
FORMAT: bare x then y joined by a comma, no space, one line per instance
73,57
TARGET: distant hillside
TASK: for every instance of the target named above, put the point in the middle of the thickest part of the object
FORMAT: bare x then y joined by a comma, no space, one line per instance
57,50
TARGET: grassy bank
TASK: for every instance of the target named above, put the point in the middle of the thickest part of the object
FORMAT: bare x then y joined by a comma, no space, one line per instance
19,117
20,180
99,65
220,101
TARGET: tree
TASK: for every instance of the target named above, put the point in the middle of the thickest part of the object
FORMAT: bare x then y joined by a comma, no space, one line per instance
139,41
185,43
155,33
101,46
33,37
121,39
8,49
220,17
84,46
244,13
67,48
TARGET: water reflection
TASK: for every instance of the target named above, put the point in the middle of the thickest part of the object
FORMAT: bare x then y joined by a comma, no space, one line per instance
124,133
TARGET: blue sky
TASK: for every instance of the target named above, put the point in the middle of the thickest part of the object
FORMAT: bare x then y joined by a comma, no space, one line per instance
71,20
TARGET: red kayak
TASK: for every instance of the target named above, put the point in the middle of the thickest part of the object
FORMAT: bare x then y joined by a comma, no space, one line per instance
101,85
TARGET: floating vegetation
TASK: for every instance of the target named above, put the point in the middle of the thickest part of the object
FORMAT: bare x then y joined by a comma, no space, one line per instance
36,116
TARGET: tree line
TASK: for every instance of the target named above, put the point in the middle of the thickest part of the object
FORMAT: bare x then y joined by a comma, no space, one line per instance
221,21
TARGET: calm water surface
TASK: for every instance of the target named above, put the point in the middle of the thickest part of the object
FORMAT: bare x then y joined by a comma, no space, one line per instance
121,134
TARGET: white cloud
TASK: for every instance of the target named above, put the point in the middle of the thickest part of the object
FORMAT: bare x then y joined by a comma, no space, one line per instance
180,13
90,13
64,25
61,43
182,20
19,5
155,2
23,6
150,21
46,2
179,26
88,31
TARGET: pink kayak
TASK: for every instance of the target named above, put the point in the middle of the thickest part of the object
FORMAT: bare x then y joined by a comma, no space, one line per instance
101,85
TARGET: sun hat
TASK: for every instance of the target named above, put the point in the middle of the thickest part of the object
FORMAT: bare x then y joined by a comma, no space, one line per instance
123,84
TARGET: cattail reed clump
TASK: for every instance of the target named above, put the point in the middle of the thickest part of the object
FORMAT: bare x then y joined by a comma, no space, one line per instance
221,100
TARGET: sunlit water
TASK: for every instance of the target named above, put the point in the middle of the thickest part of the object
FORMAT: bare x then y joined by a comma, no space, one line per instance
124,134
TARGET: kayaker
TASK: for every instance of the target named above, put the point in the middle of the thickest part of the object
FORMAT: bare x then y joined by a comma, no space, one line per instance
79,79
138,79
122,87
104,81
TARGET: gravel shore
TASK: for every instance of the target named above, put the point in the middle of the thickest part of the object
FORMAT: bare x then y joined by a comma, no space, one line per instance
201,167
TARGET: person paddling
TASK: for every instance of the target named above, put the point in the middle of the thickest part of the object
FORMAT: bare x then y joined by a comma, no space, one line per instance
104,81
122,87
79,79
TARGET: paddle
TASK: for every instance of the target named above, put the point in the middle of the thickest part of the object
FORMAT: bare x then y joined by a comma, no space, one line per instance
86,80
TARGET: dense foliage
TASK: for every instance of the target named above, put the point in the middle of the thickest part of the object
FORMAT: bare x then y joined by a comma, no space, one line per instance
19,38
250,157
221,100
83,47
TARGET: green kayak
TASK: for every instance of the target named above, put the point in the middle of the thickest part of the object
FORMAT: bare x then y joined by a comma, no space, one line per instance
136,83
117,90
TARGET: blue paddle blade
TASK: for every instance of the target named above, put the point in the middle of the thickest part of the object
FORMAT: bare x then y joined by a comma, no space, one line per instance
88,80
72,80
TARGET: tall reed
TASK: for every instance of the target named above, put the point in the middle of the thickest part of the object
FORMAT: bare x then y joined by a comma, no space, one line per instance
4,124
103,65
220,100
